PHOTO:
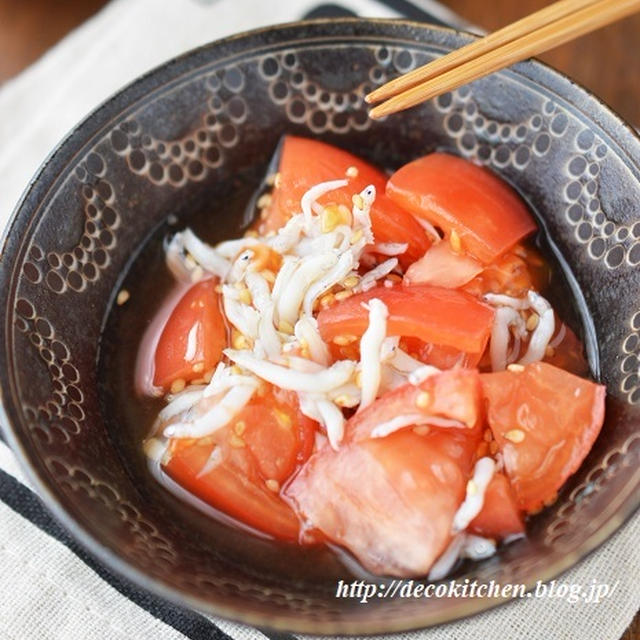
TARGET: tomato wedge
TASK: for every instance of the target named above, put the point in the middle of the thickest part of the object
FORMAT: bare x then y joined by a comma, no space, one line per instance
389,501
305,163
454,395
193,338
240,469
500,516
433,314
545,421
456,195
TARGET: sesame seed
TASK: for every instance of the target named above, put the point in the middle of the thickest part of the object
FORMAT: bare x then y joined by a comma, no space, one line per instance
272,485
277,181
472,488
343,295
251,233
123,296
350,282
359,379
550,352
207,376
284,419
357,200
218,288
422,430
178,385
344,340
357,236
343,400
515,367
264,201
327,299
423,400
515,435
455,241
245,295
236,442
271,179
493,447
532,321
240,427
236,370
239,341
487,435
285,327
198,367
330,219
352,172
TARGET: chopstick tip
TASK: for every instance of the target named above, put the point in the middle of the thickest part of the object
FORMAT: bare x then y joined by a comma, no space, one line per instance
370,97
377,112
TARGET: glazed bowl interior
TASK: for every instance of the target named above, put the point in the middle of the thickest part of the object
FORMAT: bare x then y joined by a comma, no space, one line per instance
186,145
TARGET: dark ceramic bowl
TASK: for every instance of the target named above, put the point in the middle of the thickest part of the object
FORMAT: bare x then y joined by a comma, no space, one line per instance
191,139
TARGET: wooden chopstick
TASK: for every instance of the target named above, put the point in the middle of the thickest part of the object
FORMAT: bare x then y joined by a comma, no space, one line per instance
496,39
591,16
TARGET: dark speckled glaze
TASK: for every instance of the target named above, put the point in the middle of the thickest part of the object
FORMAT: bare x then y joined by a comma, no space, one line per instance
212,114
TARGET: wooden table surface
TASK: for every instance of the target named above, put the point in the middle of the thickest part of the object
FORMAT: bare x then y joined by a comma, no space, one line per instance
607,62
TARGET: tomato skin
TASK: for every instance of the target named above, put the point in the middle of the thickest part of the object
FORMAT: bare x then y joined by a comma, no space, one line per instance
433,314
389,501
500,516
264,444
560,416
305,163
198,314
455,394
454,194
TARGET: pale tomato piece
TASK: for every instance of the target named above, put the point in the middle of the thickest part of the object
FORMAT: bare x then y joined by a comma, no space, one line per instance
454,395
389,501
500,516
545,421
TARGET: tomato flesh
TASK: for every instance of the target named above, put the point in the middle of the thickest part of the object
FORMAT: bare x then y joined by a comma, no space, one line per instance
454,395
511,274
545,421
500,515
193,338
433,314
305,163
389,501
255,455
456,195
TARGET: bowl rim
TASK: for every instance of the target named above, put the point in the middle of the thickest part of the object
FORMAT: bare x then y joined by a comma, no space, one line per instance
552,81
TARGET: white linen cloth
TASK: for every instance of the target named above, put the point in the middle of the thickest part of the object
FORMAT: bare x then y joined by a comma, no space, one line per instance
50,589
